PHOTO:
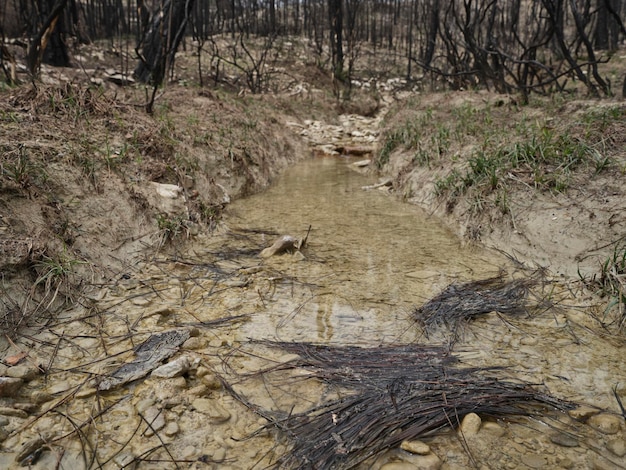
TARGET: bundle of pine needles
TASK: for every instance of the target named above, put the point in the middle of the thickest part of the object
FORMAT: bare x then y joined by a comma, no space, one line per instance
459,303
390,394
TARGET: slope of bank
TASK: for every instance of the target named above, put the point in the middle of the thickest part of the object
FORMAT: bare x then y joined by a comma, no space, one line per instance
90,184
544,182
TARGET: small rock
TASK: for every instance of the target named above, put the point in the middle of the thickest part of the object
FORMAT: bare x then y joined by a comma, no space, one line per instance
215,412
189,452
85,392
605,423
398,466
427,462
194,343
40,397
7,411
529,341
140,301
9,386
212,382
172,369
617,447
28,407
583,412
219,455
4,421
124,459
564,440
415,447
202,371
156,420
3,434
534,461
198,391
470,425
142,405
171,429
26,372
494,429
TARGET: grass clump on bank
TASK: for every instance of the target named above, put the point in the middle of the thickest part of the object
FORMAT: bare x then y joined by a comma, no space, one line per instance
479,151
610,283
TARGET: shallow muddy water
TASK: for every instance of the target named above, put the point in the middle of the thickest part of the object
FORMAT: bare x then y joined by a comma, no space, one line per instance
368,262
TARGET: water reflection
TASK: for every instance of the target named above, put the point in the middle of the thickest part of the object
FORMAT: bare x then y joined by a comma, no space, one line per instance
379,257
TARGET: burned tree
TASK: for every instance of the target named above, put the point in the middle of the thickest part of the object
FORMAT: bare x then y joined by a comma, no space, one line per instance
159,42
49,37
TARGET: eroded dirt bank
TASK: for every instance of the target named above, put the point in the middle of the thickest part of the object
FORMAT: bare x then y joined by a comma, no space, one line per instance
542,182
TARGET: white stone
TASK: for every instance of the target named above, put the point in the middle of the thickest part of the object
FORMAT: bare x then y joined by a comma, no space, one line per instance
172,369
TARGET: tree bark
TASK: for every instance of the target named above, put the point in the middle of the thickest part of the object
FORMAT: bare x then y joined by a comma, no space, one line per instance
40,41
335,12
161,40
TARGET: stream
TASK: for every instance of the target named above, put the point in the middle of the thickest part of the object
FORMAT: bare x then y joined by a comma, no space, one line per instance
368,262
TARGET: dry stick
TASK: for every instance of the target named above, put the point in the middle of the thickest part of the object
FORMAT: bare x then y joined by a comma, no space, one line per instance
159,437
619,402
81,435
123,445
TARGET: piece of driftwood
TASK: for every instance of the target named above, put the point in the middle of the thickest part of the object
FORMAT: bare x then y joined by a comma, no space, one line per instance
148,356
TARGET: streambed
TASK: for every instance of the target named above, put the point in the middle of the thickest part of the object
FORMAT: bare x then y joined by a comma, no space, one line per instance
368,262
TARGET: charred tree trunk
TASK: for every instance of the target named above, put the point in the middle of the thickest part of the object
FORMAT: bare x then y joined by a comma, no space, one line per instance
49,39
160,41
335,12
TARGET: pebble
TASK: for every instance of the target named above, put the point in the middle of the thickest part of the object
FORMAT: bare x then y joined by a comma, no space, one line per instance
4,421
564,440
534,461
142,405
9,386
426,462
617,447
155,418
415,447
398,466
172,369
7,411
605,423
494,429
171,429
529,341
583,412
212,382
26,372
194,343
215,412
40,397
189,452
124,459
140,301
85,392
219,455
202,371
198,391
470,425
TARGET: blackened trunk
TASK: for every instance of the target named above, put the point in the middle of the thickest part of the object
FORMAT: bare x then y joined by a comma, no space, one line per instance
161,39
335,12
